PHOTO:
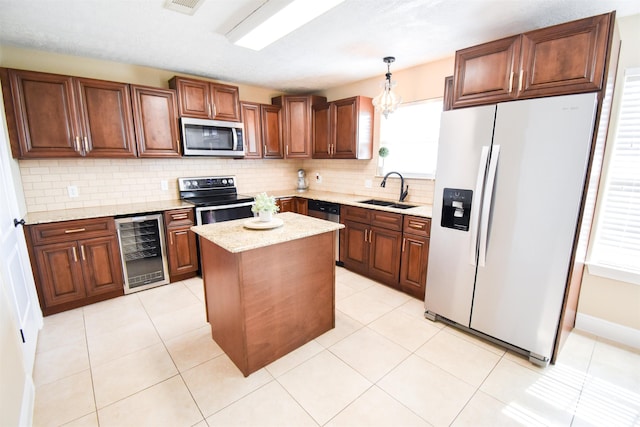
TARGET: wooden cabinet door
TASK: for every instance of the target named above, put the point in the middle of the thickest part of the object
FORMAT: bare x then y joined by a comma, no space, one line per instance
286,204
105,115
271,132
182,251
322,135
155,116
182,248
225,102
297,127
565,58
101,265
384,263
447,102
301,206
59,272
345,128
486,73
194,97
413,265
252,130
356,247
45,113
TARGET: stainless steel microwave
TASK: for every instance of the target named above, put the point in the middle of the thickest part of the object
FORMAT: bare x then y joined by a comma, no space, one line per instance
216,138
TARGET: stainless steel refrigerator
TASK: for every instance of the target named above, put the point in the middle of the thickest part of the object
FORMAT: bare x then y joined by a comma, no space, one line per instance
508,191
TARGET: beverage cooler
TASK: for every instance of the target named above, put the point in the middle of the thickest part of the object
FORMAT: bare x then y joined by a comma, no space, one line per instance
142,250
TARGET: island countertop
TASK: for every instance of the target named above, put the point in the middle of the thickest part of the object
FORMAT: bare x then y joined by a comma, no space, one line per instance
234,237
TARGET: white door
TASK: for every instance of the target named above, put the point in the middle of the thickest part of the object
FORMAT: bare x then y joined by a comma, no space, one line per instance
463,135
544,152
20,312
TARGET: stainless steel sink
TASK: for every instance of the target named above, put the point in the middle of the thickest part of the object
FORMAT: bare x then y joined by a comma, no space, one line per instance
386,203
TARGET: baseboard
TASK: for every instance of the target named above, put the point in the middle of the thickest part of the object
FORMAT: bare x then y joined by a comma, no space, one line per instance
609,330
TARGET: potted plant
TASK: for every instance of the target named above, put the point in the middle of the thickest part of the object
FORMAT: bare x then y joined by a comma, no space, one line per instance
265,206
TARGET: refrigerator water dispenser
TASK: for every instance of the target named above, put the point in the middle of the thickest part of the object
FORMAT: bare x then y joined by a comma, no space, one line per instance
456,208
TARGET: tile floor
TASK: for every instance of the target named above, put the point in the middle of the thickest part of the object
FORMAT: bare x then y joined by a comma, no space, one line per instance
148,359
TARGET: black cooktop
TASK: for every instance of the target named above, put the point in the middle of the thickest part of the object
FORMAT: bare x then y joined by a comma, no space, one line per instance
211,191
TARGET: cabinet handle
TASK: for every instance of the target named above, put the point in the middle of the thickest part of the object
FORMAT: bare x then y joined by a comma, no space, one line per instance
213,110
75,255
511,82
78,144
520,81
82,252
171,239
329,149
365,235
287,150
74,230
416,225
404,242
179,216
86,145
265,149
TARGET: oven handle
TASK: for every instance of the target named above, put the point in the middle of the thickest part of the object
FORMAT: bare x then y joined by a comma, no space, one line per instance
216,208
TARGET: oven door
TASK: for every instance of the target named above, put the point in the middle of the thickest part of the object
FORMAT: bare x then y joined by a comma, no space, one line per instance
211,214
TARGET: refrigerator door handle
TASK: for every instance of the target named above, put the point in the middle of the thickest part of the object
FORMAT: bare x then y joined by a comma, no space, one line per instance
475,211
486,204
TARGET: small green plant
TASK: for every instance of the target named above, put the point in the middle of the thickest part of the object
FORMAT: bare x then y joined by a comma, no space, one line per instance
383,152
264,203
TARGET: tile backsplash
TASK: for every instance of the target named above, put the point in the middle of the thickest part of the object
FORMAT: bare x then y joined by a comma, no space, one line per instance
101,182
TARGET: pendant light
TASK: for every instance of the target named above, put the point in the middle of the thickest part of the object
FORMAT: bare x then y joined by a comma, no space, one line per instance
387,101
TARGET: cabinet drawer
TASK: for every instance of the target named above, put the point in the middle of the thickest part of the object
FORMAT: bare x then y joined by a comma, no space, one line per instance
179,218
417,225
353,213
72,230
388,220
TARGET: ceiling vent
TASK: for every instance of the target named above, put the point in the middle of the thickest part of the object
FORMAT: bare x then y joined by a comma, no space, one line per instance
188,7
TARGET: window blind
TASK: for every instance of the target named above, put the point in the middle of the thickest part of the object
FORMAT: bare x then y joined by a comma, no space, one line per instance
617,241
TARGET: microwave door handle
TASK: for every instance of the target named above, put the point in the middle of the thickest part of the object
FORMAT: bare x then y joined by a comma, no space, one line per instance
235,139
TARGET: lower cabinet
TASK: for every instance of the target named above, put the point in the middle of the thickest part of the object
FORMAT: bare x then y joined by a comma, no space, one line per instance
182,249
388,247
415,255
293,204
372,241
75,263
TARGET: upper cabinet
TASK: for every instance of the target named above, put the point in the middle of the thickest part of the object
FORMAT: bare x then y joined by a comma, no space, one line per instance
206,100
296,123
558,60
51,116
343,129
156,121
262,134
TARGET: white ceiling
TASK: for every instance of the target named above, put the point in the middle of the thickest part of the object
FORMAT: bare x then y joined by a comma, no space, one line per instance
344,45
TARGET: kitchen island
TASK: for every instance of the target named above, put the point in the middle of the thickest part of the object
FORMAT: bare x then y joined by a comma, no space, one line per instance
268,291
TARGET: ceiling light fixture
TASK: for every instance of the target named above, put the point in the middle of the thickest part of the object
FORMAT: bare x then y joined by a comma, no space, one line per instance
275,19
387,101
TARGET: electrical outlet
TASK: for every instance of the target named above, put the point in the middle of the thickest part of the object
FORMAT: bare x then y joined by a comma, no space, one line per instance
73,191
164,185
368,183
318,178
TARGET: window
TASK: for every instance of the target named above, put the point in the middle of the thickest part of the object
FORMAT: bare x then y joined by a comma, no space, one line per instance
616,249
411,136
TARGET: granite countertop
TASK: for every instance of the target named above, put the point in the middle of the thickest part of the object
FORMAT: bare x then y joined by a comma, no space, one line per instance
424,211
234,237
32,218
101,211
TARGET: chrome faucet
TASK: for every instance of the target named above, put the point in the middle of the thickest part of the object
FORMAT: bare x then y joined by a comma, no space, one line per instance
403,191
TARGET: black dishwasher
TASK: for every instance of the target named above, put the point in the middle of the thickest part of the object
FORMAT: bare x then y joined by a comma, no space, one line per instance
328,211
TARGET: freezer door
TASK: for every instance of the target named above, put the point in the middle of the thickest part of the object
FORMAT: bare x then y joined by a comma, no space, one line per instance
463,135
544,152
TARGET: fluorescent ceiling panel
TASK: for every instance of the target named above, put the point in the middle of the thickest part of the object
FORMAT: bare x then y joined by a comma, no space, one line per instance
275,19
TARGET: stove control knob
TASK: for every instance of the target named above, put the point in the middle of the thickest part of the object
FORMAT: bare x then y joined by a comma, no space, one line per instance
224,181
230,181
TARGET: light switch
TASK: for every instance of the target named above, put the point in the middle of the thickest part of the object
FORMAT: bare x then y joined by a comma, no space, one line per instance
73,191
